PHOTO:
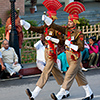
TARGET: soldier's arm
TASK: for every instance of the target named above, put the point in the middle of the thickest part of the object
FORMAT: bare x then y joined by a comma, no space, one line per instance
37,29
80,42
58,28
27,26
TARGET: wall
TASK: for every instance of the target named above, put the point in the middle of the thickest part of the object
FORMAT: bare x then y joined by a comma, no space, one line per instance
5,6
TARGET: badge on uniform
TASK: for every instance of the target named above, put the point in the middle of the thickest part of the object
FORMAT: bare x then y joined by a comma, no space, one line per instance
81,37
72,37
50,33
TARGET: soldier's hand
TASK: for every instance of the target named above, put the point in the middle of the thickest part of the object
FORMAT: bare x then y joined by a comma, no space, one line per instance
43,17
48,38
67,42
48,21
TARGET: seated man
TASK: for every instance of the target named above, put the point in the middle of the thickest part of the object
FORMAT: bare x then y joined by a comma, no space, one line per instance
10,59
2,68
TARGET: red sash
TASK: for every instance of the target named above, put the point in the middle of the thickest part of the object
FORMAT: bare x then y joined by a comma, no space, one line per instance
75,54
51,54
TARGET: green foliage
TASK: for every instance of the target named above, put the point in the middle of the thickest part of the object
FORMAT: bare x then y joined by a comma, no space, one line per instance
2,31
83,22
33,23
0,22
98,23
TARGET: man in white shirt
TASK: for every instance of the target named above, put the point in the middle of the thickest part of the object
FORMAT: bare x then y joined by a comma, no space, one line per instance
40,58
2,67
10,59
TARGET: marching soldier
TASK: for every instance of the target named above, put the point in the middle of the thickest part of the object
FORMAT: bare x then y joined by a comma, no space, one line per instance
51,42
74,41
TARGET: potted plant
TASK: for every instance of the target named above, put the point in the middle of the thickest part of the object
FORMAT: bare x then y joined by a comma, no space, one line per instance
33,3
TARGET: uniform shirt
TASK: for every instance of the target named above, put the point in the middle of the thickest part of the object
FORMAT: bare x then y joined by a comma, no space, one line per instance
47,31
9,56
75,34
40,51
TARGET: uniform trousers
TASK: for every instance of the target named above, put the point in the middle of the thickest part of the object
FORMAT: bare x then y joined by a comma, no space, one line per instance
50,67
74,71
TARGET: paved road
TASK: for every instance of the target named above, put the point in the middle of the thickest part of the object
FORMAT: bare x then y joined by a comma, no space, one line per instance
15,89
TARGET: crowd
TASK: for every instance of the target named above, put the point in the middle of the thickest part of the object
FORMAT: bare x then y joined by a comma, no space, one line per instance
91,52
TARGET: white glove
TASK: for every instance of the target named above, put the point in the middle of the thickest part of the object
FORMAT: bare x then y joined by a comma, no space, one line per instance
72,46
25,24
67,42
48,37
47,20
43,17
52,39
55,40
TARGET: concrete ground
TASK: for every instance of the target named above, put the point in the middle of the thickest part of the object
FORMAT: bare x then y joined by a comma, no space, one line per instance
15,89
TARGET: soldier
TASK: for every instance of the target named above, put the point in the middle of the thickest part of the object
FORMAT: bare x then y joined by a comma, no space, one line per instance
50,49
74,41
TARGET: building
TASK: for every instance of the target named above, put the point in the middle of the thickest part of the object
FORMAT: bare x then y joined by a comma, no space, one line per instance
5,6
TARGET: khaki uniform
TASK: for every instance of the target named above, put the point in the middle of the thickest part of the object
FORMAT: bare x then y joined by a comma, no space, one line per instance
74,70
50,63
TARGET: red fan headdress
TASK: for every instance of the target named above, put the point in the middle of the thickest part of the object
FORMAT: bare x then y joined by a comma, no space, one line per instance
74,8
52,6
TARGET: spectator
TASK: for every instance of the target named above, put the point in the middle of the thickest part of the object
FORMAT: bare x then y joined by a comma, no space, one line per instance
18,28
40,48
99,44
2,69
99,52
10,59
61,57
85,52
93,51
85,55
34,2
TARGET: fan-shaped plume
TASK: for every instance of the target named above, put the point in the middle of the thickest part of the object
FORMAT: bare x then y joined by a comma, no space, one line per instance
74,8
52,5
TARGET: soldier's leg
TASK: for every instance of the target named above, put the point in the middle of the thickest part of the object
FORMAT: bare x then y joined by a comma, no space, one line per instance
81,80
57,75
68,80
42,80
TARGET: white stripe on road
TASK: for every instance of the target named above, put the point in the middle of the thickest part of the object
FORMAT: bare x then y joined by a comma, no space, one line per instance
96,96
16,78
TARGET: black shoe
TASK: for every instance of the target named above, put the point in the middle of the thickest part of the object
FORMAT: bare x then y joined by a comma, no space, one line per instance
28,92
89,98
53,96
66,96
